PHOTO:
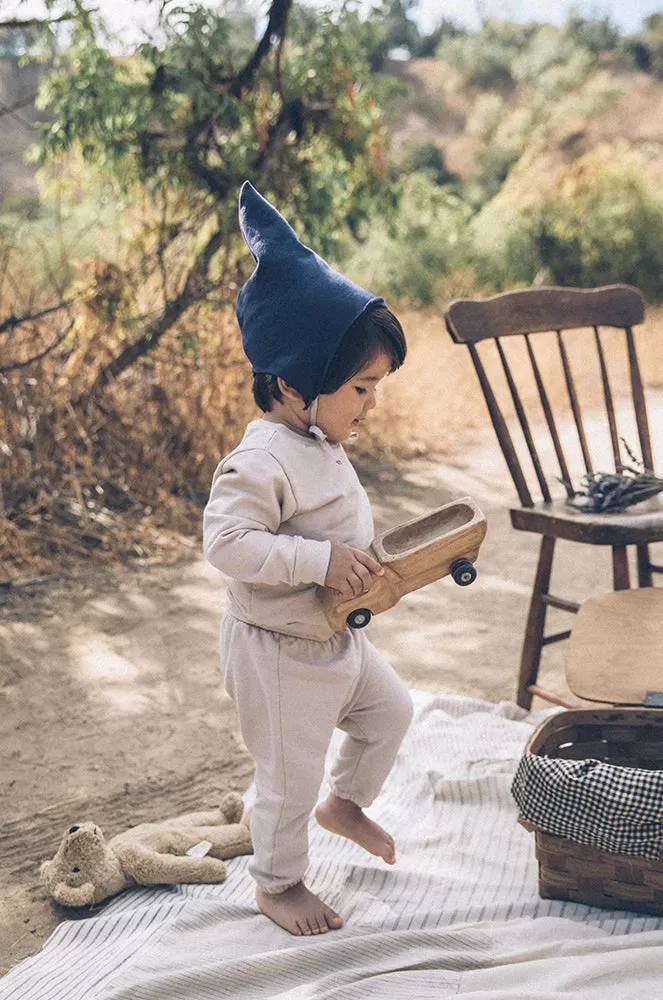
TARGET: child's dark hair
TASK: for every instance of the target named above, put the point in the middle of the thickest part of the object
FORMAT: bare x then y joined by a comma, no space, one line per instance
376,331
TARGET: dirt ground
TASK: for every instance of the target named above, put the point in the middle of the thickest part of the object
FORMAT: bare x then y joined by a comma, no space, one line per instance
111,702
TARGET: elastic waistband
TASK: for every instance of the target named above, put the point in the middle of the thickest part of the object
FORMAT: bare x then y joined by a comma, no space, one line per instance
232,613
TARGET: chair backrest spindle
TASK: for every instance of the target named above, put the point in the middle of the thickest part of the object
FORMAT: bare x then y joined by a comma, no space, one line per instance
575,405
639,403
550,419
531,311
524,424
607,396
502,431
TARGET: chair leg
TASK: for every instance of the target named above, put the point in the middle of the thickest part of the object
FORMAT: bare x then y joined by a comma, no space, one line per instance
531,654
644,567
620,574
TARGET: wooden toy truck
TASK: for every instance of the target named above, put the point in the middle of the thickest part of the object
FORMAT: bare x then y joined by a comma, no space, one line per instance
444,541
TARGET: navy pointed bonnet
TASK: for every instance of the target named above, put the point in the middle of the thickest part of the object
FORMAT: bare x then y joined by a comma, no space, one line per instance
294,309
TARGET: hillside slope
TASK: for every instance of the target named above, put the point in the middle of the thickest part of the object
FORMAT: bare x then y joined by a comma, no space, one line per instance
614,104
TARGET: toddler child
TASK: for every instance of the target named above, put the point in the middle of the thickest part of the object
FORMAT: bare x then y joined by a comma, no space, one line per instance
287,514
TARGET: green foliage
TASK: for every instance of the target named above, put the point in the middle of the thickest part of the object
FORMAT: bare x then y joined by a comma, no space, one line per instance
608,231
601,219
13,44
494,167
548,55
636,51
485,115
601,225
168,134
179,119
43,243
485,58
502,56
395,28
408,258
595,34
557,94
501,247
428,44
33,39
646,48
177,127
426,158
560,80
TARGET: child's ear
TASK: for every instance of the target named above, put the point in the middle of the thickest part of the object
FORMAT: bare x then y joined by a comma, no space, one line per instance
288,392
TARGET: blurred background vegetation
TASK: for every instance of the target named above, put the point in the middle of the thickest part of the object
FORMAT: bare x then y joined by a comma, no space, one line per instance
426,166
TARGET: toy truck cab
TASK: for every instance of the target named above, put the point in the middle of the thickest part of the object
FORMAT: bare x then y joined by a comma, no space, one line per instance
444,541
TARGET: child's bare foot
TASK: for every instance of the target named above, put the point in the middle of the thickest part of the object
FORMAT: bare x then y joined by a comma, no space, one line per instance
348,820
297,910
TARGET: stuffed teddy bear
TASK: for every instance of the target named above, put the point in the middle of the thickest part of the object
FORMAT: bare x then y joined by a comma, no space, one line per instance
87,869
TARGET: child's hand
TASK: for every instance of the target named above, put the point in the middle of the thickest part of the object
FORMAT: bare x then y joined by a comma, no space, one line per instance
350,570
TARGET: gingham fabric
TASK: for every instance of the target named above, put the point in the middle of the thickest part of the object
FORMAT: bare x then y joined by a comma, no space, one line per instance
617,809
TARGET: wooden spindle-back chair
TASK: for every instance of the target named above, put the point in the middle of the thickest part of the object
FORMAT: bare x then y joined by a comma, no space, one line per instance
521,314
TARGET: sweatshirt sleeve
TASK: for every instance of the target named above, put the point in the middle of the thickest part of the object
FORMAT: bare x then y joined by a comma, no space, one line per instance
242,517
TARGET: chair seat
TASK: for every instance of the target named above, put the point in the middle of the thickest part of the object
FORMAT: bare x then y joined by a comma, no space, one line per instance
616,647
640,524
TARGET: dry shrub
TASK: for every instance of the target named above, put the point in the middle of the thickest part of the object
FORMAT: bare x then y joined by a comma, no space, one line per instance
126,478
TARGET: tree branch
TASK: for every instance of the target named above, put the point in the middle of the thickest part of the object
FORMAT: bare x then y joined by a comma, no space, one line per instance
276,26
172,312
10,109
36,357
215,178
13,321
34,22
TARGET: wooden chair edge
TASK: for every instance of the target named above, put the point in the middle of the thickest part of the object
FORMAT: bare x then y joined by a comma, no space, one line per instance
537,310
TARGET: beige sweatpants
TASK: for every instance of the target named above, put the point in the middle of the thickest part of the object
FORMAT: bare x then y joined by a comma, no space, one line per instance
290,694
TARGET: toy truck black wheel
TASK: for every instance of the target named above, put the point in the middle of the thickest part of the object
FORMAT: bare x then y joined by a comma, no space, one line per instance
463,572
359,618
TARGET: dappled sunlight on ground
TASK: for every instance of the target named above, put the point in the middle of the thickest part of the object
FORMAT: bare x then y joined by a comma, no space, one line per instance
113,679
111,702
98,663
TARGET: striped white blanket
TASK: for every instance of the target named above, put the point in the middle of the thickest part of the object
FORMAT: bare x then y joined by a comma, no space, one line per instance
459,915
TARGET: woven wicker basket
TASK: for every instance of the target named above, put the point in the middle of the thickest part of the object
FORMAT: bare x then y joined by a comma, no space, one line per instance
567,870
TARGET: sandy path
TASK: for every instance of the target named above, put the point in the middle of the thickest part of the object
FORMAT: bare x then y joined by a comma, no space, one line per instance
111,706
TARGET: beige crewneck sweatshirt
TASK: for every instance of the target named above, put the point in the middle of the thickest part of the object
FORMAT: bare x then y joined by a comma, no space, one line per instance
276,504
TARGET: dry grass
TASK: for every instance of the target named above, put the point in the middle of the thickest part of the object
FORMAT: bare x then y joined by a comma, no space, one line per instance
126,479
435,398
